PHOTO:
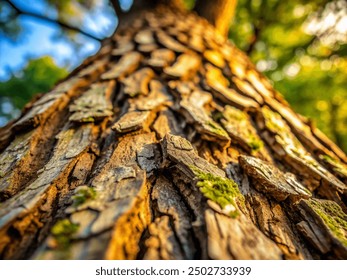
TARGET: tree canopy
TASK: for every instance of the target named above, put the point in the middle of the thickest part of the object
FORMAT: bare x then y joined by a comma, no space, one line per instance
301,47
37,76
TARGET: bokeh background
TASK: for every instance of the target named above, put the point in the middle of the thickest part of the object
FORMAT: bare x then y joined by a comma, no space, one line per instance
300,45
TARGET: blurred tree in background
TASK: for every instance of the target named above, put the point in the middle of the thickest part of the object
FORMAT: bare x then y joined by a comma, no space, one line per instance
74,22
38,76
300,45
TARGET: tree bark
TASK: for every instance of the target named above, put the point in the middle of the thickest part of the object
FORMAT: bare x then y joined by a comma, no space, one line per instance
219,13
168,144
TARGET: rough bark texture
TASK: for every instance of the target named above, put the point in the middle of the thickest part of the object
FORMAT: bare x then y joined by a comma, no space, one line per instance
168,144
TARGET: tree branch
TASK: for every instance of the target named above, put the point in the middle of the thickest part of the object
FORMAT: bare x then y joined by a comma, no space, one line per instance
47,19
254,39
116,6
218,12
259,17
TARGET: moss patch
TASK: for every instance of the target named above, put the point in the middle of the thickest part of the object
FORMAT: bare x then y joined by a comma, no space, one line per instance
222,191
62,232
232,113
337,166
216,129
83,194
217,116
255,143
333,216
88,119
274,122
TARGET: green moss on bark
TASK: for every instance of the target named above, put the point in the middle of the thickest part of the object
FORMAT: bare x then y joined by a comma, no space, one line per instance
215,128
337,166
83,194
62,232
222,191
255,143
333,216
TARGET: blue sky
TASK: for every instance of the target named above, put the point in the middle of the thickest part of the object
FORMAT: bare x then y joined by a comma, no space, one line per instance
40,38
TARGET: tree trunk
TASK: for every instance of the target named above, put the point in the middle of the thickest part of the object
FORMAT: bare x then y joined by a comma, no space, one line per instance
218,12
168,144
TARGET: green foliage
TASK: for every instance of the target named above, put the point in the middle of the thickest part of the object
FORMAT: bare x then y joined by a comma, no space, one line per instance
38,76
309,71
